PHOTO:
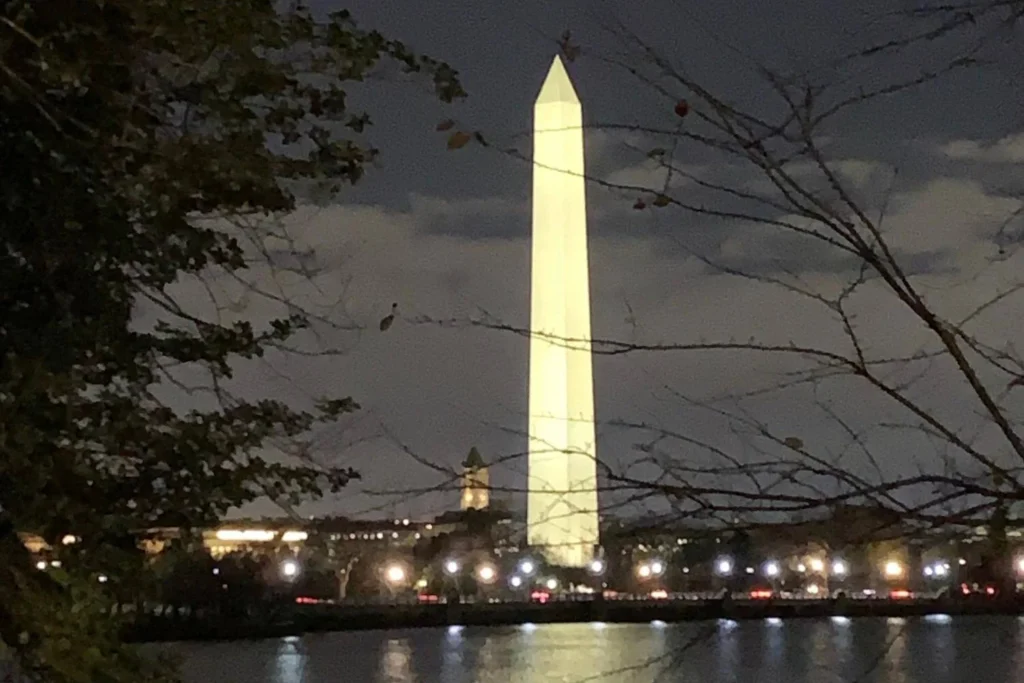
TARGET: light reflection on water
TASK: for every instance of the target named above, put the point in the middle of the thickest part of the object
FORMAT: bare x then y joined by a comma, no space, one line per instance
929,650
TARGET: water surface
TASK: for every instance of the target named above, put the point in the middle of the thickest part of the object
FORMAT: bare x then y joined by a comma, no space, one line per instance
936,649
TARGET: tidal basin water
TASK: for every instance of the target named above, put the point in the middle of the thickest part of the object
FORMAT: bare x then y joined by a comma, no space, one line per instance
936,649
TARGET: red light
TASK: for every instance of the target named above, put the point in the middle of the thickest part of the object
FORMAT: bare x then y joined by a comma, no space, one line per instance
659,595
540,596
965,589
760,594
428,597
990,590
899,594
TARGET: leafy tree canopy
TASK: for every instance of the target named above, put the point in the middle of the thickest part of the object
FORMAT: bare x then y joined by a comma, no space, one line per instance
125,126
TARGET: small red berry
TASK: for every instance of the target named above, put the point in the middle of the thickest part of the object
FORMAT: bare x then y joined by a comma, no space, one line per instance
682,108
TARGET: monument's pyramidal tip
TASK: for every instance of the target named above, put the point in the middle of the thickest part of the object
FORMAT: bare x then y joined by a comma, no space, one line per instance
557,86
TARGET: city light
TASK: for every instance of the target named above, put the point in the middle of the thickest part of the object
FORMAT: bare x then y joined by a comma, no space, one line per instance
451,567
771,569
69,539
527,567
551,584
516,581
487,573
801,567
1020,564
839,568
395,574
102,578
40,565
644,571
724,566
294,536
817,565
289,569
813,589
961,562
657,568
252,535
597,567
893,569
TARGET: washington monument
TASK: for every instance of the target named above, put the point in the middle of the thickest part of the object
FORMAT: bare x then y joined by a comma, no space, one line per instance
562,502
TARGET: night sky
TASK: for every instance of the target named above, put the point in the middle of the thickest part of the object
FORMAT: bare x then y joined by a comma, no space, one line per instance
446,235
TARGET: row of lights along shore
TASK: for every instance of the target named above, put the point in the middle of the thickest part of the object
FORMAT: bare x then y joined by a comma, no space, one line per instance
487,573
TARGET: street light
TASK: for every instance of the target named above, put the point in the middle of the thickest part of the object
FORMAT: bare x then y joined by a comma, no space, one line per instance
724,566
597,567
839,568
771,569
644,571
486,573
527,567
657,568
893,569
551,584
394,574
516,581
817,565
451,567
290,569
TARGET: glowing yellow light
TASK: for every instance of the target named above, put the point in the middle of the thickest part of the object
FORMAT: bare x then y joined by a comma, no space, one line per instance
251,535
893,569
817,565
813,589
644,571
395,573
486,573
562,499
294,536
69,539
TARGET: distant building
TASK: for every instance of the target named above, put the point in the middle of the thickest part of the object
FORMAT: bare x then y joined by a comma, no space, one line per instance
476,482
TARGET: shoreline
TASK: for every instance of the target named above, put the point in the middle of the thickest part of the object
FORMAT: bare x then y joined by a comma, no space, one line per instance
333,618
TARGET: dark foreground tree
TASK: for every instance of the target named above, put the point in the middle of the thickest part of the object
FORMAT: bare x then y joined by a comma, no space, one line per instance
140,141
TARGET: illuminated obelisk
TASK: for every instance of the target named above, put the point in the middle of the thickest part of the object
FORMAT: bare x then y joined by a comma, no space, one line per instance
562,499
